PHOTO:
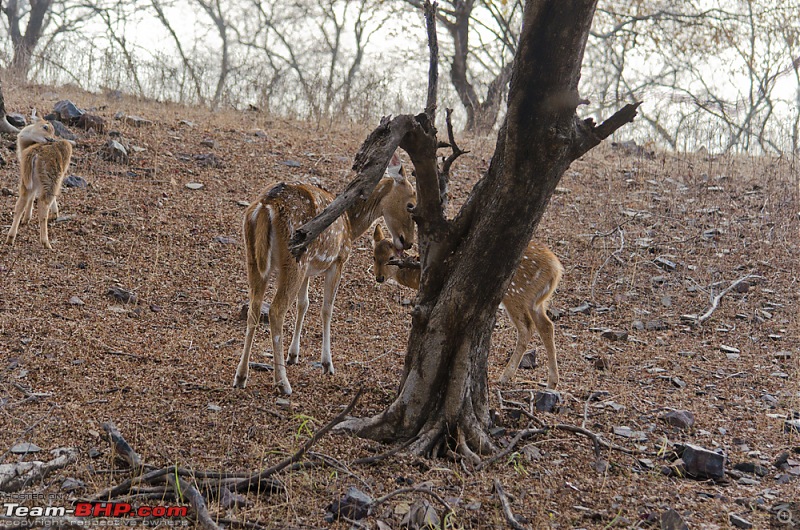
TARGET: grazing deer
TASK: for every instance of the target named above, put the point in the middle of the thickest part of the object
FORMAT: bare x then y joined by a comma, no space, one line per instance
526,300
268,226
43,161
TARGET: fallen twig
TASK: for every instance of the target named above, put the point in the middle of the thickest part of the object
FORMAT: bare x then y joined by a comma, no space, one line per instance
187,491
714,303
377,502
501,494
122,447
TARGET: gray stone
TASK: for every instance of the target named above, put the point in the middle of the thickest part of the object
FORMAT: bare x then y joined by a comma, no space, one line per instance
74,300
584,308
728,349
702,463
614,335
627,432
62,131
208,142
656,325
637,325
753,468
682,419
739,522
225,240
24,448
194,186
137,121
74,181
264,312
291,163
665,264
791,426
115,152
546,400
354,505
67,111
122,295
672,520
528,360
72,484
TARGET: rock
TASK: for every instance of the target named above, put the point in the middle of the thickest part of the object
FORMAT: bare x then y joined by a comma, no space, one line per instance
24,448
702,463
194,186
225,240
753,468
213,408
666,301
72,484
682,419
186,123
264,312
354,505
208,142
658,280
614,335
16,119
421,515
261,367
656,325
546,400
114,152
291,163
637,325
74,181
7,192
584,308
67,111
121,295
62,131
672,520
627,432
677,382
742,287
208,160
728,349
791,426
739,522
528,360
137,121
244,204
74,300
602,363
665,264
90,122
94,453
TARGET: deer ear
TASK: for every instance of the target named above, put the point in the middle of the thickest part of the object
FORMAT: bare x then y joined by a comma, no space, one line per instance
395,169
34,117
377,236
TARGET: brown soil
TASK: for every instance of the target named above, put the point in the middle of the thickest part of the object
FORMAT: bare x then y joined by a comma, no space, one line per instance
155,367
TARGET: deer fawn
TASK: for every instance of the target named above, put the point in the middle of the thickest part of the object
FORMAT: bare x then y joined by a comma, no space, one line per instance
268,226
526,300
43,161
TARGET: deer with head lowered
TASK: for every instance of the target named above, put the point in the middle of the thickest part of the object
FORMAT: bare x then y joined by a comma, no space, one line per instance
43,161
268,226
526,299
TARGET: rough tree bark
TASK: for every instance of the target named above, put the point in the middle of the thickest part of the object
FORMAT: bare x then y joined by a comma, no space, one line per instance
4,125
442,402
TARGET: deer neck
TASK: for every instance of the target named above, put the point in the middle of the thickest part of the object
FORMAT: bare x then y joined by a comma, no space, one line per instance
364,213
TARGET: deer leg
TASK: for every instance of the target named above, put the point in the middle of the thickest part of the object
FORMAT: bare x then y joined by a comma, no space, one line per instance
332,278
524,325
287,288
302,307
22,205
258,285
44,208
546,331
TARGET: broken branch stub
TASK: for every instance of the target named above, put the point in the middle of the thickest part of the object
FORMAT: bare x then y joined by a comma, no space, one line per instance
370,165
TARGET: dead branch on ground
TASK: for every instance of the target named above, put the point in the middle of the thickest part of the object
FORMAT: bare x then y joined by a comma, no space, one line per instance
501,494
695,320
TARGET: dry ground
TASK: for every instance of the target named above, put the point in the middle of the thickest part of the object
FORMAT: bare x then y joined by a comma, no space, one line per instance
162,369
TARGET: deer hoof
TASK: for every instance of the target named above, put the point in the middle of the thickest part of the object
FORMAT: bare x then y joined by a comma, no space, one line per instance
283,388
239,382
327,369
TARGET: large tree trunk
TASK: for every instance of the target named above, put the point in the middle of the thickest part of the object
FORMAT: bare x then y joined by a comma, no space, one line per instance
442,401
24,44
4,125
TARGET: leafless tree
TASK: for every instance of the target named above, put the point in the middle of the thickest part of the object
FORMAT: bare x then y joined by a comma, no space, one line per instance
35,13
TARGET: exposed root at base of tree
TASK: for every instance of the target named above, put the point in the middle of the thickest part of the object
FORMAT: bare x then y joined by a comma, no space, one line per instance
501,494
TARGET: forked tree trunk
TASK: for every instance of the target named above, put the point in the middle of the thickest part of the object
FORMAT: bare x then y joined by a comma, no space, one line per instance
442,401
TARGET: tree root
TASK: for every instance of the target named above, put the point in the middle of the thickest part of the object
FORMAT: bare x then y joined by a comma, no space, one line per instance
501,494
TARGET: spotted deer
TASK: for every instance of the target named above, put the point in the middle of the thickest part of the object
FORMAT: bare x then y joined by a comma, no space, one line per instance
43,161
526,300
268,226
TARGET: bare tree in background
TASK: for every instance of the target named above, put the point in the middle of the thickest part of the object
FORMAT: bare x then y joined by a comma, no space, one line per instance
35,13
486,66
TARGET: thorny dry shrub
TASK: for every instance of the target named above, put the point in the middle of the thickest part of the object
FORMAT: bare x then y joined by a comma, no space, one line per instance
162,369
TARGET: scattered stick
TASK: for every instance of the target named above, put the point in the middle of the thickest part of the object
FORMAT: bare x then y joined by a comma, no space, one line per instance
501,494
122,448
433,494
698,320
184,490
